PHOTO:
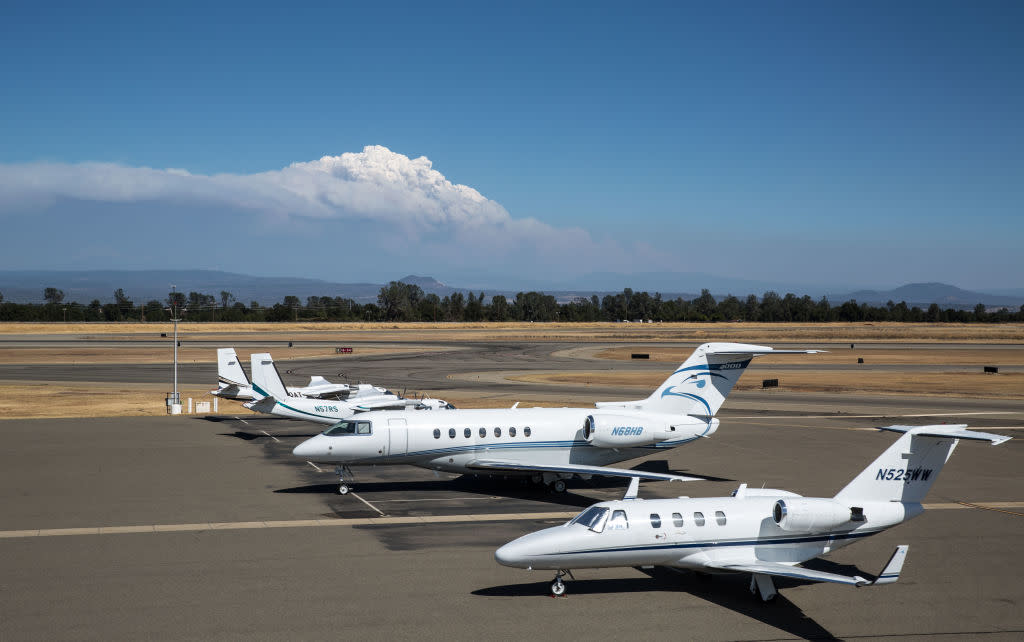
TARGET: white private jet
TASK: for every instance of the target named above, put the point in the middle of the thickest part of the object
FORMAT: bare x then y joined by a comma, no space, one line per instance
764,532
550,444
233,384
273,398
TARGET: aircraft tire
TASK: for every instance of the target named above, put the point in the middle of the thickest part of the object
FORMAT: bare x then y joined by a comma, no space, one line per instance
558,588
558,486
344,489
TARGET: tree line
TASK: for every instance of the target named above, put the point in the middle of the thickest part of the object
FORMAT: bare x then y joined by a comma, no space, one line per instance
398,301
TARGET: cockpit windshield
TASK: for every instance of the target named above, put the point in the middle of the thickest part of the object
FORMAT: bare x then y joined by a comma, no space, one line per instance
349,427
593,518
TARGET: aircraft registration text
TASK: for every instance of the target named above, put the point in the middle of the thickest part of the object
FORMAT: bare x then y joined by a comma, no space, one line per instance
906,476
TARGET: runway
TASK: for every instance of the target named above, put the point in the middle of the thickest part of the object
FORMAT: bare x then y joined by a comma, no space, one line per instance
207,527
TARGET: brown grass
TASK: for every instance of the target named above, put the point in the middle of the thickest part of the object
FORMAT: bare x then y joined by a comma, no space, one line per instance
959,384
881,356
131,354
693,332
33,401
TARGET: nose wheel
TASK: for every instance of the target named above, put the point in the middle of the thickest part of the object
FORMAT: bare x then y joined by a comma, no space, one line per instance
558,586
345,479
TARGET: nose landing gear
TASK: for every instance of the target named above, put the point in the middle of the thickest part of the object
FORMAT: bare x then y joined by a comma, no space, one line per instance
346,478
558,586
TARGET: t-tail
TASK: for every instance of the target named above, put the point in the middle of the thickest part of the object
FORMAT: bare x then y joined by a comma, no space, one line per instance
266,380
701,384
907,469
231,380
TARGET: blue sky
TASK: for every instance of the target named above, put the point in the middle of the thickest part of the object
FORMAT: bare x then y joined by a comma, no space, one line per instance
853,144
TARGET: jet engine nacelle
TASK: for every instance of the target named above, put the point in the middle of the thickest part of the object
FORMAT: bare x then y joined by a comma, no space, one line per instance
810,515
625,431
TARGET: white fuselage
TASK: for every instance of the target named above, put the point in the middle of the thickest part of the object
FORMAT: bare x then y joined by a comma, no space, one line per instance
324,411
690,533
451,440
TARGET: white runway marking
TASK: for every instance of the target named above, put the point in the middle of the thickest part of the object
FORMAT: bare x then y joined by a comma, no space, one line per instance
242,420
269,435
315,466
368,504
365,521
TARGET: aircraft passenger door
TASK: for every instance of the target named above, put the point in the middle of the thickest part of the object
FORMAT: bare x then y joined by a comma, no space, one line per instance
398,437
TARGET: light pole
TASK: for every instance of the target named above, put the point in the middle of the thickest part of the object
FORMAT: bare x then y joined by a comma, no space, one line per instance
174,317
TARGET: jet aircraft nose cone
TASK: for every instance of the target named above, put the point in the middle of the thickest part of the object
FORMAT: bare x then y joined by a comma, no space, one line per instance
509,554
307,448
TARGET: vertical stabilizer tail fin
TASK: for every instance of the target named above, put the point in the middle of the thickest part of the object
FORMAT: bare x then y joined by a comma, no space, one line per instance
266,380
229,369
700,385
908,468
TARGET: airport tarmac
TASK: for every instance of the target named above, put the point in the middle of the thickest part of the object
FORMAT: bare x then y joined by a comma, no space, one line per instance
207,527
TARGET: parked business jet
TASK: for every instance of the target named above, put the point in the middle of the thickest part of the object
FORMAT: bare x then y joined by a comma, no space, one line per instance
233,384
764,532
550,444
273,398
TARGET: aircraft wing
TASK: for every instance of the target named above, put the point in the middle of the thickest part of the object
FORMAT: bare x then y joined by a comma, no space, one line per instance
494,465
383,404
889,574
784,570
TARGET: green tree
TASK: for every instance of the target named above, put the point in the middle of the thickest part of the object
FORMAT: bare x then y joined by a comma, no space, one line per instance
705,305
979,312
398,301
53,296
226,298
499,308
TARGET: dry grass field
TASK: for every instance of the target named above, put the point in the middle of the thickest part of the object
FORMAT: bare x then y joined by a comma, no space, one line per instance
845,355
583,332
972,384
186,354
39,399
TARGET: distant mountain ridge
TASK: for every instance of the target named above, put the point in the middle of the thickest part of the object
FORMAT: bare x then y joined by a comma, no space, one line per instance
924,294
26,286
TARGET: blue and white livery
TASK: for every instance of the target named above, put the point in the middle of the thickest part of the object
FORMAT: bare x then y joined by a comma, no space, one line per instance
550,444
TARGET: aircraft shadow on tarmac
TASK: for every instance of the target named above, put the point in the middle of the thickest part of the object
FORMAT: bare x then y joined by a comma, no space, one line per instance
250,436
727,591
513,489
508,487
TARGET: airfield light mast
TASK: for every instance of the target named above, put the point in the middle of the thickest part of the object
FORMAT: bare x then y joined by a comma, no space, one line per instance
176,399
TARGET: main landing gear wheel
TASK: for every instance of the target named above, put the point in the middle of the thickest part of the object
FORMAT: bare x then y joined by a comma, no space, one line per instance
559,487
344,489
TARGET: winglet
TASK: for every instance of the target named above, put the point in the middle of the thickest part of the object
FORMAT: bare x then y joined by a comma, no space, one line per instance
515,405
634,488
892,569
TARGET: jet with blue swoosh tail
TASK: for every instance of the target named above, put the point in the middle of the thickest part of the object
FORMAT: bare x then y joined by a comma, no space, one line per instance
548,444
273,398
763,532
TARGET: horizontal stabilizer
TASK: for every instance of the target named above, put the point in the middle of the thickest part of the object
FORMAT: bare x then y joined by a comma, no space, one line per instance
785,570
892,569
956,431
263,404
752,350
493,465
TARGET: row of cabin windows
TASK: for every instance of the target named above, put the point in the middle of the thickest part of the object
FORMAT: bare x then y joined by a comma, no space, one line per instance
677,519
468,432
